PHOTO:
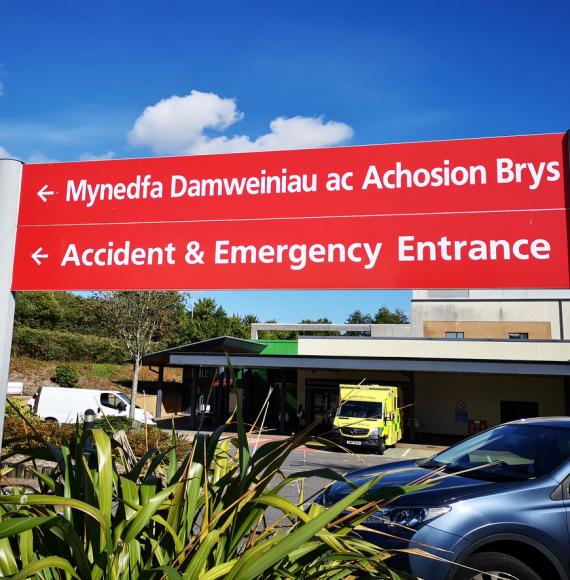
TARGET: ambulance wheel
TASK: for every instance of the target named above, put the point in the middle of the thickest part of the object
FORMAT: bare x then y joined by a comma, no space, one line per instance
381,446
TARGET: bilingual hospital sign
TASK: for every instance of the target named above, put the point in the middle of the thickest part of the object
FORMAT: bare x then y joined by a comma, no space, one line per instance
477,213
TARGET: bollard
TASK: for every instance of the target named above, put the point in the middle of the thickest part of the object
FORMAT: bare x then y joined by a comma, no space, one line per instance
89,451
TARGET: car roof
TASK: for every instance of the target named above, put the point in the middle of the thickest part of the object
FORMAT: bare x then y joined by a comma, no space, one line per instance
563,422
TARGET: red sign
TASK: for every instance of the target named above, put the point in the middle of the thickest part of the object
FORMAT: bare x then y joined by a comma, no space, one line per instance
459,214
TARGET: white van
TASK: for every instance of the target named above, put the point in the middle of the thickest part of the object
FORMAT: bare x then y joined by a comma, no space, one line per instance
66,405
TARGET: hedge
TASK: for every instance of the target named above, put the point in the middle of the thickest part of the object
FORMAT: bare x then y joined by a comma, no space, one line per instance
66,346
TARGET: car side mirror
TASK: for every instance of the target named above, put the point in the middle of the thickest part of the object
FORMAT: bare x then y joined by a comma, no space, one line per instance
122,407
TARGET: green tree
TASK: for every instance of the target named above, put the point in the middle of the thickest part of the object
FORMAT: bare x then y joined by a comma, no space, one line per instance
60,312
322,320
236,327
81,314
383,316
276,334
247,321
357,317
38,310
292,334
207,320
386,316
140,319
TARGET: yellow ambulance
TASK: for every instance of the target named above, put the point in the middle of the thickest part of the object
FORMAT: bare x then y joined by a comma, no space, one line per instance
367,417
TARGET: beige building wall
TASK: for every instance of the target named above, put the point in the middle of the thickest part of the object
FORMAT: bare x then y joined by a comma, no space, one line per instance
392,330
492,330
437,396
522,350
486,317
500,311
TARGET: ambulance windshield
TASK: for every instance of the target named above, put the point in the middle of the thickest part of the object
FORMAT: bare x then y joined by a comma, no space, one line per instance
360,410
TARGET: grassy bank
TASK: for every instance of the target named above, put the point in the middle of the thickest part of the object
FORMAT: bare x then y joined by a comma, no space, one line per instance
35,373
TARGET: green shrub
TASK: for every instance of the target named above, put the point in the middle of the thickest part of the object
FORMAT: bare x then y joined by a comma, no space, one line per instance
66,376
67,346
23,429
205,517
199,521
15,408
113,423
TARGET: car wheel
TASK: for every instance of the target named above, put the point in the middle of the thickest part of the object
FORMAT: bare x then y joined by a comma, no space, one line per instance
493,565
381,446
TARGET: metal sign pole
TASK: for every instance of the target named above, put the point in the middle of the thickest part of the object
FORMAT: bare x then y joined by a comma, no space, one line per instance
10,179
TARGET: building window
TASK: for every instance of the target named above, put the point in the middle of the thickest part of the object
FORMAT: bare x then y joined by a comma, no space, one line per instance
454,335
518,335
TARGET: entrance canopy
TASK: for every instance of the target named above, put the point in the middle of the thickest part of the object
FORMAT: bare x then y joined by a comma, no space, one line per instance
433,369
220,344
249,354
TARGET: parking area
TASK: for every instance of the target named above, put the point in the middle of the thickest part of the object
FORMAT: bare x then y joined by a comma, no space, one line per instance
306,459
309,457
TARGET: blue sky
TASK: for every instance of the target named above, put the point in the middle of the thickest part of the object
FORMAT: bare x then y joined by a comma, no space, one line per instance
76,78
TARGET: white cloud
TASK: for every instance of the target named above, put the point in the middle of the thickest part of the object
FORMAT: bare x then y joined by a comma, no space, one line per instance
304,132
174,124
4,152
178,125
93,157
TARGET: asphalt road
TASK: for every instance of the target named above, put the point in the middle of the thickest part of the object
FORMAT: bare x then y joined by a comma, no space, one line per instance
305,460
311,458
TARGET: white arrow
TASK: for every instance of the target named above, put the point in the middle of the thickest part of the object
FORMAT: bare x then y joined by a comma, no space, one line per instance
44,192
39,257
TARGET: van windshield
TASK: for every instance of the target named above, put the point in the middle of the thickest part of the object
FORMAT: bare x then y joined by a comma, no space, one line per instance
359,410
127,399
124,398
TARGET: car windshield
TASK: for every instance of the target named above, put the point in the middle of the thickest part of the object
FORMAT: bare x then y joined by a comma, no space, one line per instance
507,452
360,410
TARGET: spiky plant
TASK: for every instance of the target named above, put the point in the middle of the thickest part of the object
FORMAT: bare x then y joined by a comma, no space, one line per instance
202,518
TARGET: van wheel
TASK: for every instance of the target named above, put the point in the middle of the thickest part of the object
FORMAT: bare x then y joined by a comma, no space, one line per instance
381,446
495,565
